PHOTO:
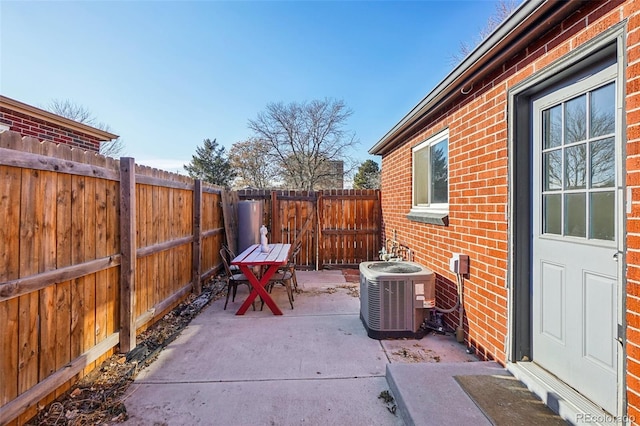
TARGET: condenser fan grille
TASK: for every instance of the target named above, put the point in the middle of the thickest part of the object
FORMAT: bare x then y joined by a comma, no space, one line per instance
394,267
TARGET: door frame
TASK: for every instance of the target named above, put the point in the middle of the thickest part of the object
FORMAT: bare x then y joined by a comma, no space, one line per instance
606,49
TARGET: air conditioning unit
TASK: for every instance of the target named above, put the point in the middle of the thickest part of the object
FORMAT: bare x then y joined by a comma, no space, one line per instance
394,298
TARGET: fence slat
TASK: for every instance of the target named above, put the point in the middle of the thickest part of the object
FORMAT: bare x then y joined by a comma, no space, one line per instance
10,185
101,251
47,312
229,210
89,243
9,350
197,237
31,215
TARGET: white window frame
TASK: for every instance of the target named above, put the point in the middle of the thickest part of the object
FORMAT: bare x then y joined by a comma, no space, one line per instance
439,208
4,127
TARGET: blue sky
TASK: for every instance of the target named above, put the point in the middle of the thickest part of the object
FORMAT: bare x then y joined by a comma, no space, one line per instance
167,74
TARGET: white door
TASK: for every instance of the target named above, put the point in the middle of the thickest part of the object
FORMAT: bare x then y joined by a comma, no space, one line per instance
575,233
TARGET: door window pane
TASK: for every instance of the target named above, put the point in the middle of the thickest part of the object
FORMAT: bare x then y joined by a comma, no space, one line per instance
552,170
552,205
602,111
575,169
575,120
602,226
578,166
575,215
603,163
552,127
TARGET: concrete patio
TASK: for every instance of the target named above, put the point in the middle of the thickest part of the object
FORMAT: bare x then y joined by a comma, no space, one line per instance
314,365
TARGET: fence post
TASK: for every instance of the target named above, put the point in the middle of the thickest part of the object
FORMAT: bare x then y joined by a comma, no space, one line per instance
197,237
128,249
379,221
319,224
276,226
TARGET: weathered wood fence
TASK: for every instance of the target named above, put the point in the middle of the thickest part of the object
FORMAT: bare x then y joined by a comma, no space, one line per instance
338,227
91,250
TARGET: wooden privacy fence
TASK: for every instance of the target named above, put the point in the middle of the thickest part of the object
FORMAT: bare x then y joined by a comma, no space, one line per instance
91,250
337,228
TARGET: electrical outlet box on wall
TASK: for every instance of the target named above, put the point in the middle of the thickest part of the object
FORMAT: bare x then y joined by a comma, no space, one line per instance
459,263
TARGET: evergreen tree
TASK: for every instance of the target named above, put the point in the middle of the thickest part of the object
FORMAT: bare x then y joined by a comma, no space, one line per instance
368,176
211,165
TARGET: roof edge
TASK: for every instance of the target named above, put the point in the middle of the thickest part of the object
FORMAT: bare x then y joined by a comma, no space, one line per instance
509,31
42,114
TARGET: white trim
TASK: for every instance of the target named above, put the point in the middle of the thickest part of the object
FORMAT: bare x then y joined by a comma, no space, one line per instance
614,35
437,208
561,398
4,127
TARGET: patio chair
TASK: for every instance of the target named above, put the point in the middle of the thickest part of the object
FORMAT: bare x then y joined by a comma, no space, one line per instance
233,279
291,266
286,275
230,256
284,278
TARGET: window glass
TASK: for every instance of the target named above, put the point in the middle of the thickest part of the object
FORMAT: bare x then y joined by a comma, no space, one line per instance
552,127
602,111
420,176
439,165
603,163
603,210
575,216
575,120
431,173
552,170
575,169
552,214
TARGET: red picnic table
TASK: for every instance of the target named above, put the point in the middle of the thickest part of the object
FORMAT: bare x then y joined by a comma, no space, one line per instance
273,259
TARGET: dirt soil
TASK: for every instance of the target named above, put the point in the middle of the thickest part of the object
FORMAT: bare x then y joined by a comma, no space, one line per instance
351,275
97,398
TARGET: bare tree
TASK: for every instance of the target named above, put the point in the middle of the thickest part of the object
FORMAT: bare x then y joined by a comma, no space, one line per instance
574,127
305,138
81,114
503,9
114,148
72,111
251,161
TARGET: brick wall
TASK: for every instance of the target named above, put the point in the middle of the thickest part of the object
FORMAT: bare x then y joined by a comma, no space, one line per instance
478,179
32,126
633,218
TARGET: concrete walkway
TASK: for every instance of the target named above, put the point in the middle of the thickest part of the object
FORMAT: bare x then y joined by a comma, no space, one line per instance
314,365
